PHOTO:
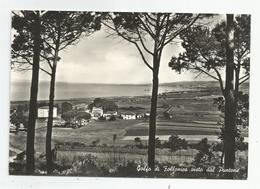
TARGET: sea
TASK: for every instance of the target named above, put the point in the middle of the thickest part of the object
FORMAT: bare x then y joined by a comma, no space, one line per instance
19,91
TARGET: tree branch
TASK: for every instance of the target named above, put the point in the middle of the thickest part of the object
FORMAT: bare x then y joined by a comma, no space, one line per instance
147,28
131,41
244,80
26,69
47,59
205,72
181,30
247,75
22,56
220,81
142,42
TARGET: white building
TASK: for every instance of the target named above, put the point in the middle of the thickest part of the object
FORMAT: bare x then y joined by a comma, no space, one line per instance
110,113
96,112
128,115
43,112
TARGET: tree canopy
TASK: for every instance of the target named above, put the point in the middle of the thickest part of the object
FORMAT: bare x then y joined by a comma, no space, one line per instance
105,104
205,51
65,27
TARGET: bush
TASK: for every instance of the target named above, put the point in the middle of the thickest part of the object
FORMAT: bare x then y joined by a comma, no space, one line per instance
75,114
175,143
105,104
129,170
102,118
157,143
112,118
204,154
138,142
65,107
240,144
95,142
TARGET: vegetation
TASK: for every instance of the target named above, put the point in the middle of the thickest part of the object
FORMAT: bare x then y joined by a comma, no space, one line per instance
175,143
65,107
55,31
63,30
26,50
208,51
120,166
75,115
40,38
106,105
150,33
18,116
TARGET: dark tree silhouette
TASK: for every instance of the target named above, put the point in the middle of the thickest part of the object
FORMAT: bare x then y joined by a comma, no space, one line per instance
62,29
105,104
209,52
230,107
26,49
150,33
205,51
56,31
65,107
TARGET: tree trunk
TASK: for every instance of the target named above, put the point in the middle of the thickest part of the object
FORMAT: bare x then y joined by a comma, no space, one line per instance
152,119
33,98
230,113
49,158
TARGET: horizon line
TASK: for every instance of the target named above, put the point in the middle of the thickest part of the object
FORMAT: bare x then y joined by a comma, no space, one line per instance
26,81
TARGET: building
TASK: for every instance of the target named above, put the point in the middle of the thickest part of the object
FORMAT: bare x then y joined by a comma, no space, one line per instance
128,115
43,112
109,114
96,112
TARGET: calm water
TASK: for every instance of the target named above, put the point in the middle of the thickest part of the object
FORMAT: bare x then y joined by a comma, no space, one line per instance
21,90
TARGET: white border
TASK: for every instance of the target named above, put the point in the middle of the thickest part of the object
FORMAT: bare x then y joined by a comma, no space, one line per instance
200,6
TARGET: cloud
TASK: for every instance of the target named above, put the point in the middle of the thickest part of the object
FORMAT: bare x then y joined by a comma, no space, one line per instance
99,59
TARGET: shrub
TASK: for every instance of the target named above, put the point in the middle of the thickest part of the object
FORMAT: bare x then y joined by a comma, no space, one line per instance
175,143
204,153
138,142
112,118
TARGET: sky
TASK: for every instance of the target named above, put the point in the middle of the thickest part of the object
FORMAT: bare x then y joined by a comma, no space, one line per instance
102,59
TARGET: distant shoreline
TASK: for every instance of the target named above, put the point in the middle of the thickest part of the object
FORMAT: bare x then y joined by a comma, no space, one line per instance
20,91
81,83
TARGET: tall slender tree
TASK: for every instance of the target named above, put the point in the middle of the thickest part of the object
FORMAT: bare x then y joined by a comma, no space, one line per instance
26,51
150,33
58,30
206,52
230,106
62,29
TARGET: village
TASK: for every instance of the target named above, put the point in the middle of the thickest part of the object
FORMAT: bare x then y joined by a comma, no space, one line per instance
78,115
115,129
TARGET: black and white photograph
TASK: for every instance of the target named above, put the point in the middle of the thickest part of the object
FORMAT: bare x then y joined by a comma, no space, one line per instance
129,94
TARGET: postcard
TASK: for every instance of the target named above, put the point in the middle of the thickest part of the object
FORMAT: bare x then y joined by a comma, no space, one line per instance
129,94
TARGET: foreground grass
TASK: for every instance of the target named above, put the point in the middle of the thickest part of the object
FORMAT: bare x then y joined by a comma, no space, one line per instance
117,166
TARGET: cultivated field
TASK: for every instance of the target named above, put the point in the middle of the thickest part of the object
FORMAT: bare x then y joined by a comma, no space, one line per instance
197,119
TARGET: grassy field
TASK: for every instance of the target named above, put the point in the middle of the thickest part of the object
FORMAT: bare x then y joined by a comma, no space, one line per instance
197,106
197,119
95,131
